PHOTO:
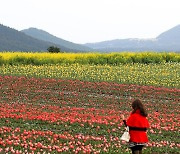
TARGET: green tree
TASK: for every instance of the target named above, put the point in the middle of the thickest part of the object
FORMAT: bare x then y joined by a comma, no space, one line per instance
54,49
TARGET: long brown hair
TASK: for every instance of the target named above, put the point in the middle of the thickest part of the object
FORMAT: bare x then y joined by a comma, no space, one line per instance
137,104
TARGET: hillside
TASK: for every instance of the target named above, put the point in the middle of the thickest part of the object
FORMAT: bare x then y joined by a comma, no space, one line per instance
45,36
167,41
124,45
13,40
172,35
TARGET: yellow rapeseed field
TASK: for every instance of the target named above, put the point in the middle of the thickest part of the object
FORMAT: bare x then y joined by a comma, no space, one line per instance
87,58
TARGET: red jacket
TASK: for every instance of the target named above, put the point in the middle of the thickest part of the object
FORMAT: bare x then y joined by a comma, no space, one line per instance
139,121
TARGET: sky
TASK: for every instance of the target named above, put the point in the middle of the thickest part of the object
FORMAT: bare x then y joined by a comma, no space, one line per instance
88,21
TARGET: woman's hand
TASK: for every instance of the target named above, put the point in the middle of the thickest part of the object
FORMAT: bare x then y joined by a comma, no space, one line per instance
122,116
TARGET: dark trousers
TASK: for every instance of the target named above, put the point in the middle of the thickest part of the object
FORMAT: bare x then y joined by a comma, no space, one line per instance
137,149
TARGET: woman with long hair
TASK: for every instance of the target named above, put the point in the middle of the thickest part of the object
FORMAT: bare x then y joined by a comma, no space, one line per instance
138,125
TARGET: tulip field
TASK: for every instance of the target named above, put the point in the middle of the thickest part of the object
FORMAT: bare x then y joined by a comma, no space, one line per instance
77,108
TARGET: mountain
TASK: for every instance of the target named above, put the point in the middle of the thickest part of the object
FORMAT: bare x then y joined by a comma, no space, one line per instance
45,36
167,41
124,45
14,40
172,35
170,39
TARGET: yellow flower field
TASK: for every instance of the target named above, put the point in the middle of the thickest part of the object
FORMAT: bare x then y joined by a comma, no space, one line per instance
167,75
87,58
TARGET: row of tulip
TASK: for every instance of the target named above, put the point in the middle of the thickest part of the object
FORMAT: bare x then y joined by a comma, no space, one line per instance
16,140
166,75
53,115
87,58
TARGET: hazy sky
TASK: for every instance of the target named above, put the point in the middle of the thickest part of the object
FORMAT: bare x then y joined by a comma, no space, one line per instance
83,21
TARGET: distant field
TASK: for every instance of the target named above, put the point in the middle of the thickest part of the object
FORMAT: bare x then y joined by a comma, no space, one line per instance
87,58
